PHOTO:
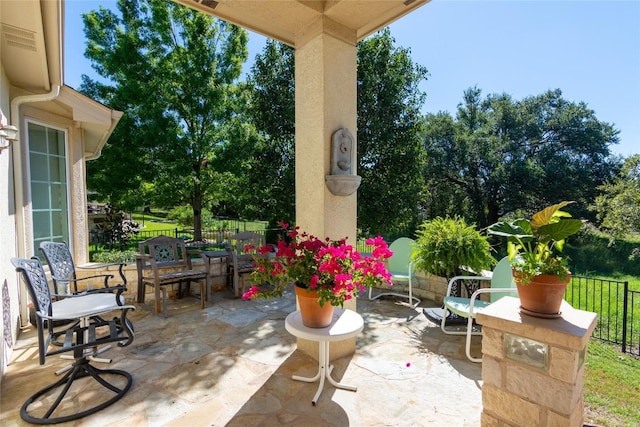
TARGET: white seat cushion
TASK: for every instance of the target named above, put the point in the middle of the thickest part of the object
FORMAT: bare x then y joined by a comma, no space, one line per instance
460,306
85,305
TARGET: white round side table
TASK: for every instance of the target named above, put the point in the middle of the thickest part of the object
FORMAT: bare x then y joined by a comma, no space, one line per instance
345,324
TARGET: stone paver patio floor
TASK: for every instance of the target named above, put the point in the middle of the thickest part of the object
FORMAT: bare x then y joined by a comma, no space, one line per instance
231,365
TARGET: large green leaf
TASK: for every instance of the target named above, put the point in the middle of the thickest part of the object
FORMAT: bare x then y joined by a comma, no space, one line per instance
559,230
548,215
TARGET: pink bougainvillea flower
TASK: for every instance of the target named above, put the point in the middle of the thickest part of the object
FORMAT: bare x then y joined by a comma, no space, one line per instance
251,293
337,270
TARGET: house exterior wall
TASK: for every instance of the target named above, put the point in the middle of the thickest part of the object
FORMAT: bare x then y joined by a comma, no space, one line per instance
32,88
8,244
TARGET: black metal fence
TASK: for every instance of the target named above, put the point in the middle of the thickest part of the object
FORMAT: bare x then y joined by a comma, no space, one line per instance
210,238
617,306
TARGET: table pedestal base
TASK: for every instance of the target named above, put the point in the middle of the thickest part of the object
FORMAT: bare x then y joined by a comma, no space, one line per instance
324,370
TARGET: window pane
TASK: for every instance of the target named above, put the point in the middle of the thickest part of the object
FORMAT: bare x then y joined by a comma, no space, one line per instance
37,138
58,197
56,169
39,169
56,142
41,225
58,223
47,157
39,196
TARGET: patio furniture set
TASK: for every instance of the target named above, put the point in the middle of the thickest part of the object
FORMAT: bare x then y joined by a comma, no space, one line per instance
70,320
165,261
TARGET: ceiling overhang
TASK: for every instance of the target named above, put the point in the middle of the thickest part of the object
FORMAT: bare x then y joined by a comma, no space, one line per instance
29,43
95,119
288,20
31,54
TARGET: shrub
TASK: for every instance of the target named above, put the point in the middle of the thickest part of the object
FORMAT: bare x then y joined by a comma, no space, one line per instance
448,246
128,256
183,216
115,230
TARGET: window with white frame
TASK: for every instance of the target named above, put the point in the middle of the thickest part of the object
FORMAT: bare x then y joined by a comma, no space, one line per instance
48,170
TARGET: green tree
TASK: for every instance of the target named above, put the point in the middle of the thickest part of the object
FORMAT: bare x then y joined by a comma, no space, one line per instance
174,72
389,136
499,156
618,204
390,130
265,170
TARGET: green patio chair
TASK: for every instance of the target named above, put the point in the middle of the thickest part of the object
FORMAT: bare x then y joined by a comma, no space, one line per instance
401,268
502,284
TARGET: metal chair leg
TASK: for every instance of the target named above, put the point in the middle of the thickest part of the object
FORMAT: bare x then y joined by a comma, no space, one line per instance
81,368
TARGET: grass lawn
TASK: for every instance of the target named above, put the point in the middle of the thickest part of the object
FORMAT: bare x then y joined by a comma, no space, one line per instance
152,222
611,386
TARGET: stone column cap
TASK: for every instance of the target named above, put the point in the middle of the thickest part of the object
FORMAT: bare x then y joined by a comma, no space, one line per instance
572,330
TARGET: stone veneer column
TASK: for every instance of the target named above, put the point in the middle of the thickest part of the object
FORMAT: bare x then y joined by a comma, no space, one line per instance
326,100
532,368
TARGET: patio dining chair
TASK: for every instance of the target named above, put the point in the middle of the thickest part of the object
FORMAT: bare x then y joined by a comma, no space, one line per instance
65,281
402,270
51,405
242,248
63,272
501,284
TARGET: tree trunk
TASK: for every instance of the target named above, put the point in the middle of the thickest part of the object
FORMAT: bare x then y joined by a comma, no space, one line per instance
197,214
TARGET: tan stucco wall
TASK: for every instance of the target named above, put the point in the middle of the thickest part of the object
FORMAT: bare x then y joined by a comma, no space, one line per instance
8,279
326,100
78,196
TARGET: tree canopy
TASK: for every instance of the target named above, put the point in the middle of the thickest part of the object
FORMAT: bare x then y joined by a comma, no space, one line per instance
499,156
618,204
194,134
390,156
266,168
174,71
389,136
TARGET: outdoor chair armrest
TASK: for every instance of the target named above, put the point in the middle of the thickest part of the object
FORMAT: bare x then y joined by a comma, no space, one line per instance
456,278
477,293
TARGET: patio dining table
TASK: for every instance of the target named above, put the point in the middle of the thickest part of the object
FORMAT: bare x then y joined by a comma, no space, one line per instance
219,257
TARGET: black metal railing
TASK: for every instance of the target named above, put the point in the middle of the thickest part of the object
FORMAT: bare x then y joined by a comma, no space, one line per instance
617,306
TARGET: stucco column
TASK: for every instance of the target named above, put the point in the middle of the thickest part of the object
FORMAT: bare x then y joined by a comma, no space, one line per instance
326,100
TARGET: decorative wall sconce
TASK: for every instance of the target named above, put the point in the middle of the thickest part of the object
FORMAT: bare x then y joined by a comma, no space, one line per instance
8,134
342,182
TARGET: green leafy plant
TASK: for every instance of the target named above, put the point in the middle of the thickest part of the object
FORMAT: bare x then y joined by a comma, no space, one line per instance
336,270
445,246
126,256
534,245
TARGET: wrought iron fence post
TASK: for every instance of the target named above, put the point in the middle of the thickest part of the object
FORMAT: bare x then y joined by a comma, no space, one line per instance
625,301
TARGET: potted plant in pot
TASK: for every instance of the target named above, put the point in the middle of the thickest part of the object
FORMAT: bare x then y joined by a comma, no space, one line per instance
326,272
534,247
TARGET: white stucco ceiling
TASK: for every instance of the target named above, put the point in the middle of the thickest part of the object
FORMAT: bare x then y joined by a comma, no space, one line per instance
286,20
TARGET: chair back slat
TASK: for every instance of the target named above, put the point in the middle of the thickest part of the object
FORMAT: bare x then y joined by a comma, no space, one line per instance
402,249
61,265
36,280
502,277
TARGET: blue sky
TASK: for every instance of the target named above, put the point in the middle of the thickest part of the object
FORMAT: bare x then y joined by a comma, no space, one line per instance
588,49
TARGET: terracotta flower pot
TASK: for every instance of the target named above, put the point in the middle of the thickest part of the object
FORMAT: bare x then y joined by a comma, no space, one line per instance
542,296
313,316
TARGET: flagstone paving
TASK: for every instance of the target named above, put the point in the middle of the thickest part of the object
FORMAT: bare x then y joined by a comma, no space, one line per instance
231,365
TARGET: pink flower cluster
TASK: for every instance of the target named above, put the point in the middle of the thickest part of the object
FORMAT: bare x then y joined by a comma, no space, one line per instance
336,270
